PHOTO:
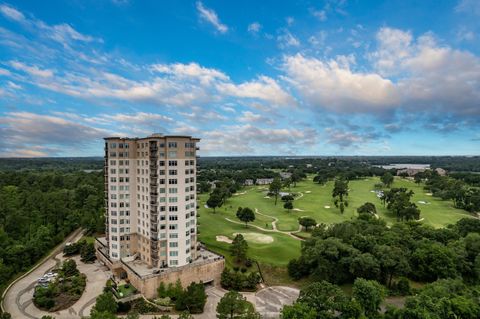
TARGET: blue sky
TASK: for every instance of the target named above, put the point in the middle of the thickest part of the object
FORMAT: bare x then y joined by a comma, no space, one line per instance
333,77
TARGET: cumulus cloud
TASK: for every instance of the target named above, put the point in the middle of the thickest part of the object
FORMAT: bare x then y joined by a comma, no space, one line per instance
468,6
254,27
246,139
211,17
334,86
431,76
263,88
349,138
23,132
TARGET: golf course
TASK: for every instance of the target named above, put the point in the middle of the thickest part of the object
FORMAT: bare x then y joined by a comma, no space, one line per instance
272,237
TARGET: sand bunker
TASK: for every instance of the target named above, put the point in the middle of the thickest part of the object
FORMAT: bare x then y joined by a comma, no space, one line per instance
267,197
223,239
257,238
298,210
242,193
308,192
327,207
423,202
429,194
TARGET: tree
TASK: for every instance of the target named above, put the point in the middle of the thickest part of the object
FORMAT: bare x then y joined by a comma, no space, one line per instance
215,200
239,247
246,215
367,208
365,266
275,188
192,299
5,315
87,253
298,310
69,268
233,305
307,222
393,262
387,179
369,294
105,304
339,192
288,206
325,298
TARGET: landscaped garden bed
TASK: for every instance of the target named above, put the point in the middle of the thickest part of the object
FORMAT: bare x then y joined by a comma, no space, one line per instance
63,291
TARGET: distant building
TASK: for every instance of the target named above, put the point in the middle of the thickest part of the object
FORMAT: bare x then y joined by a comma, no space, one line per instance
263,181
410,172
248,182
309,165
285,175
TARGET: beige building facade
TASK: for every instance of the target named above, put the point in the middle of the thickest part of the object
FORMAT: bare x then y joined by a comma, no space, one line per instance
150,194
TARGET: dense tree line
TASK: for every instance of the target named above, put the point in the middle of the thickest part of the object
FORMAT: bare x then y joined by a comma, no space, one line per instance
53,163
367,248
39,209
464,196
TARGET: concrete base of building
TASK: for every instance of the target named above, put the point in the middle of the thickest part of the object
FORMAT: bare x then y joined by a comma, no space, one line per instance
147,280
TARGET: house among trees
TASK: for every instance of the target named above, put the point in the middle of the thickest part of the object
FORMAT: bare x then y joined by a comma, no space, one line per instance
248,182
410,172
263,181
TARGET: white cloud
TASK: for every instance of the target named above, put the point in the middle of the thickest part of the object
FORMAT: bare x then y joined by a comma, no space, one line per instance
333,86
25,128
290,21
286,39
254,27
12,13
32,70
191,70
250,139
264,88
62,33
320,14
211,16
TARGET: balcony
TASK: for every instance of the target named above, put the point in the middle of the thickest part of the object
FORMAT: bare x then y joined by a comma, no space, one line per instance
154,234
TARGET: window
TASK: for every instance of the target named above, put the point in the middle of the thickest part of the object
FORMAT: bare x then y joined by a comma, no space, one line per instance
173,245
172,217
173,253
172,262
172,163
173,235
172,154
172,144
172,181
113,145
172,190
172,199
173,226
172,208
172,172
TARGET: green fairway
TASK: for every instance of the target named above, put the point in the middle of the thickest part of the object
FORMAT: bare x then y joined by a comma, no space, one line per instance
312,200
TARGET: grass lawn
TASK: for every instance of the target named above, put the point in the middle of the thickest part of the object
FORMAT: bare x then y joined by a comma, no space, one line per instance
126,291
313,200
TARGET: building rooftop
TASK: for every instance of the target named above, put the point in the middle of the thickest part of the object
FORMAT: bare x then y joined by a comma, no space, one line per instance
143,270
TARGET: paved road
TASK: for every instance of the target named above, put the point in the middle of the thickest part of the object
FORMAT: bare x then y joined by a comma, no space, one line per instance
18,299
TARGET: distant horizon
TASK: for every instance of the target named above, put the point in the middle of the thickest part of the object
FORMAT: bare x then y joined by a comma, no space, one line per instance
347,78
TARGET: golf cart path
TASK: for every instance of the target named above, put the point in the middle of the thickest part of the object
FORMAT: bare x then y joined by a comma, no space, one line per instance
274,226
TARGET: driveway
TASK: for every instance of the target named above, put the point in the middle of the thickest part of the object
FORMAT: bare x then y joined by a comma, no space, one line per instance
18,299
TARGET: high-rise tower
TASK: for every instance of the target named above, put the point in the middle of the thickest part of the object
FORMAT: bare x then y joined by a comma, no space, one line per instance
150,193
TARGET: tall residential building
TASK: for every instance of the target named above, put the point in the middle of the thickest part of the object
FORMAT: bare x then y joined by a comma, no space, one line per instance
150,193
